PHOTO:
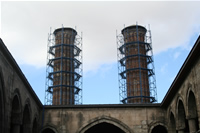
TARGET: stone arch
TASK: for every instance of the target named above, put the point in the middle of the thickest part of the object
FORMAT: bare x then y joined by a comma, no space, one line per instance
171,119
49,129
26,121
158,127
35,124
192,112
191,103
189,85
105,120
16,113
34,127
182,123
2,101
172,123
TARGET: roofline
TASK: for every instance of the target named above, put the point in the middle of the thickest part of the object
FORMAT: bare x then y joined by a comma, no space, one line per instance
181,74
65,29
165,102
14,64
134,26
148,105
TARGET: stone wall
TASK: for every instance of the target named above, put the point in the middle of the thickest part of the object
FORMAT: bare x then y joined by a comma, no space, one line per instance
78,118
22,112
188,95
21,107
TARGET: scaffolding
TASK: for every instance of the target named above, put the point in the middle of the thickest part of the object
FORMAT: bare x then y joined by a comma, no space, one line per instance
137,82
63,84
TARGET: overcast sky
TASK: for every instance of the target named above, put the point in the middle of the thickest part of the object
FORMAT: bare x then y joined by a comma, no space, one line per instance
25,26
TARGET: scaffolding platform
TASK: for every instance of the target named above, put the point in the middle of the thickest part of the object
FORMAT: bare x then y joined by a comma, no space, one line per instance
63,84
137,82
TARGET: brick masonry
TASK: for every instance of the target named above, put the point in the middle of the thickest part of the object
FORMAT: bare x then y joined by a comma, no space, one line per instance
22,111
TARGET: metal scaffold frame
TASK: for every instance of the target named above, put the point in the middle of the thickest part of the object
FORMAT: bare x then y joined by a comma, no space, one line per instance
122,70
75,64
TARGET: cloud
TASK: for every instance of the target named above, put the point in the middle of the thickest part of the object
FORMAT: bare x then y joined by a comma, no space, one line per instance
176,55
163,68
25,26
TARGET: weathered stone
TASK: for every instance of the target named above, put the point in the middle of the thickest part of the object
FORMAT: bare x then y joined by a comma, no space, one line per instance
20,108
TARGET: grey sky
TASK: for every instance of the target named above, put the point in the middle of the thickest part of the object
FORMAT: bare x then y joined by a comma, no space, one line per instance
25,26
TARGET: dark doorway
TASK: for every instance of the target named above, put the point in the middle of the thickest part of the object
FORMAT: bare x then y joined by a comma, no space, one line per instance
48,130
15,115
159,129
104,128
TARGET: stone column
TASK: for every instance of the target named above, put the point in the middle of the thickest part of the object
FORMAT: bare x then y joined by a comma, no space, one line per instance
192,125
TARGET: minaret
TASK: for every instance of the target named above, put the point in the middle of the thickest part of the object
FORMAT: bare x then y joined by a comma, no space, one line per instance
135,62
64,75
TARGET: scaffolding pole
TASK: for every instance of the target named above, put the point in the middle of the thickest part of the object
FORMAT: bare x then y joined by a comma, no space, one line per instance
137,82
63,84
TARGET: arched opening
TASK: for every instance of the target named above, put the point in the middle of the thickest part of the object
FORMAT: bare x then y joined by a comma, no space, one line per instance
159,129
172,124
104,128
1,106
104,124
15,115
48,130
182,121
26,123
35,126
192,113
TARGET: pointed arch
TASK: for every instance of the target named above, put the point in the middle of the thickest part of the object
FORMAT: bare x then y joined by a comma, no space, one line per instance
182,122
172,123
105,120
35,124
16,112
157,127
192,112
26,121
49,129
16,101
191,102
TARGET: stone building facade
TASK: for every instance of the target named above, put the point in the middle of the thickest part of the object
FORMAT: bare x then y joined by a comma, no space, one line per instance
22,112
